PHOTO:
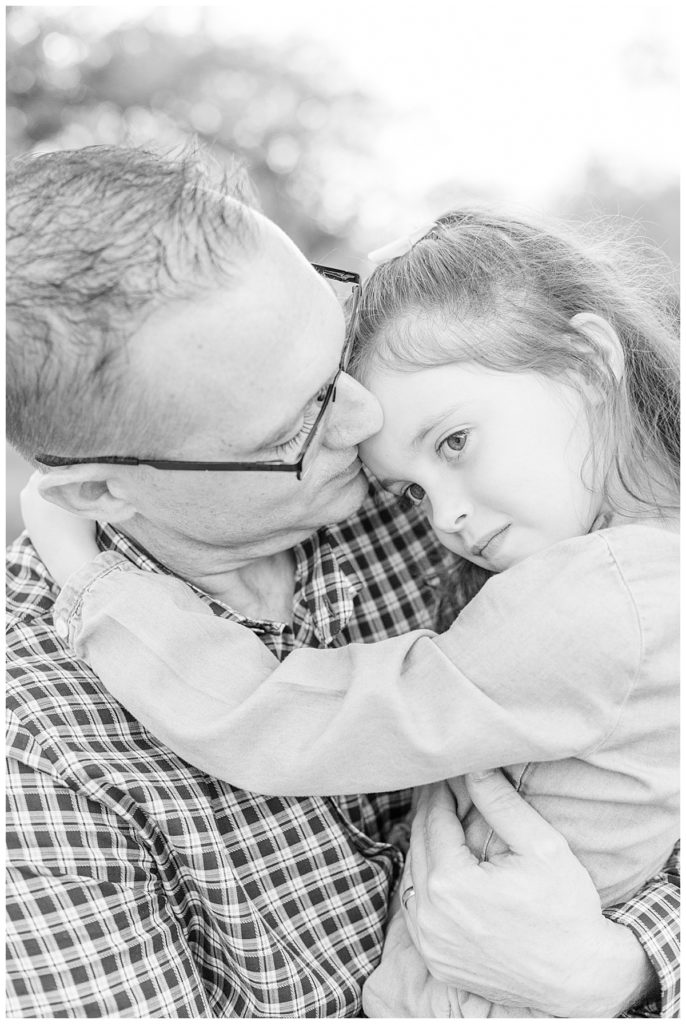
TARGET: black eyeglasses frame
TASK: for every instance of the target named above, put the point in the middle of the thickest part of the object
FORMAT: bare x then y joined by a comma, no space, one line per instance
266,466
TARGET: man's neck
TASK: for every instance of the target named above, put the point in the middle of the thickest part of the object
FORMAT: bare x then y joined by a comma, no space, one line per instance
260,589
257,585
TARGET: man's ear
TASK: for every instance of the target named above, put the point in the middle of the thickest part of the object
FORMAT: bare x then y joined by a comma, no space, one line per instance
604,338
91,491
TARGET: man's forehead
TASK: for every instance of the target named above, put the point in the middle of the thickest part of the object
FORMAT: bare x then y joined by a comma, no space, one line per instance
248,354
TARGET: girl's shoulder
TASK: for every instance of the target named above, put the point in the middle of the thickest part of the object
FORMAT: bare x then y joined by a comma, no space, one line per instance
608,569
644,536
579,606
627,545
646,555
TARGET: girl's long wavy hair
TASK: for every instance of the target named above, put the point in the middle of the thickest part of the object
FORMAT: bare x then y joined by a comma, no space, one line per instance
490,288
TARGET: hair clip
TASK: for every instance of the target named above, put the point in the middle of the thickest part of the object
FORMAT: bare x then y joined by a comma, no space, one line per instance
400,246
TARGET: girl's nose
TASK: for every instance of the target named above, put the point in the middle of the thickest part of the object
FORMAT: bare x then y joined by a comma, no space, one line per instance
450,514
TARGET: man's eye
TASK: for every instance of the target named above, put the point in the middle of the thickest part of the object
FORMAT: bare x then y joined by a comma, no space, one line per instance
285,448
414,494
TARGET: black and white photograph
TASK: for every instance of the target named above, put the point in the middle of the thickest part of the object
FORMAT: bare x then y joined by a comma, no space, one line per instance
342,394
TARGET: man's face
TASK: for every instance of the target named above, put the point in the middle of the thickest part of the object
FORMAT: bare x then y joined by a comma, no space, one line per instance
232,375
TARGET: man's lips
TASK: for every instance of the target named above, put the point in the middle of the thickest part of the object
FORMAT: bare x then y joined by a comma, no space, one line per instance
480,547
351,469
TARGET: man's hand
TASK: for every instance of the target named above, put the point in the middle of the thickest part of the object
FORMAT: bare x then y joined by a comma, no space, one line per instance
64,541
525,928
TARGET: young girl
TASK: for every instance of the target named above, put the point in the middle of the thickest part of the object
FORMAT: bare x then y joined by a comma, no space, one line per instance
531,411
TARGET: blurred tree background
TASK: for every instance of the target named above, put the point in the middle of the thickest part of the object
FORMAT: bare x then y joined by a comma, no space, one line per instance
289,111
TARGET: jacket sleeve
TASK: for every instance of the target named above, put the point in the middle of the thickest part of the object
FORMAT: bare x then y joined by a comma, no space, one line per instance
537,641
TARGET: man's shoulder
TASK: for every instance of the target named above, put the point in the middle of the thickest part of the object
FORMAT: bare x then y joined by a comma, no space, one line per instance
30,591
51,695
62,723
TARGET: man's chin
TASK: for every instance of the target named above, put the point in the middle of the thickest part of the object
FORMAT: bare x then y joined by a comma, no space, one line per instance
346,493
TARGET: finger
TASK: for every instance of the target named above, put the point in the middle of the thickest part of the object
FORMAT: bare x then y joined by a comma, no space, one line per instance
436,832
418,854
463,803
409,907
508,814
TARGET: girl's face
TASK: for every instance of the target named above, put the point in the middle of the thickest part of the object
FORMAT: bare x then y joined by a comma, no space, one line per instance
495,459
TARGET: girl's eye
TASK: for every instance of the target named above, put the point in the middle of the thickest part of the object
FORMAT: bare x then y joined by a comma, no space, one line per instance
455,442
414,494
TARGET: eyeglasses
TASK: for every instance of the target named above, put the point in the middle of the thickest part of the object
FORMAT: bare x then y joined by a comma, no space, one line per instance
346,285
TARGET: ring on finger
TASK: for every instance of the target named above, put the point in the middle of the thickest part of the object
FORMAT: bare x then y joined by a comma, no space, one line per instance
407,895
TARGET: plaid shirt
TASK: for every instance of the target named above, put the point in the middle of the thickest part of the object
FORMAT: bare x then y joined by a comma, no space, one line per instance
141,887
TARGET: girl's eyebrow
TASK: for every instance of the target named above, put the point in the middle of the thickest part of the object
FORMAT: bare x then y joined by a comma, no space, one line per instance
429,424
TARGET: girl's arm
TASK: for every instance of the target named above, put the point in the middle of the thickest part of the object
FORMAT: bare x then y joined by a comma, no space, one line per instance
523,674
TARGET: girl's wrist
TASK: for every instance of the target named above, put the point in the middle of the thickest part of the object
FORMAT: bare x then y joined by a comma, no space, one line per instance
71,559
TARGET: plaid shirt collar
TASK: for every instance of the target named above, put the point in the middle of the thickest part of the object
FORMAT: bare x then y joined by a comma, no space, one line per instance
326,586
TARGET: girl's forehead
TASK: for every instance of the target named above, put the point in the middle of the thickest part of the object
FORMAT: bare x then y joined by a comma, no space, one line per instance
461,376
414,400
420,338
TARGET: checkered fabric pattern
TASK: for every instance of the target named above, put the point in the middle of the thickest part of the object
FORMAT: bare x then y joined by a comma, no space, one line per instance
648,919
141,887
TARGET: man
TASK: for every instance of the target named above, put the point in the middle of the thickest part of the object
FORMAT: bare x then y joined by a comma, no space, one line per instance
174,360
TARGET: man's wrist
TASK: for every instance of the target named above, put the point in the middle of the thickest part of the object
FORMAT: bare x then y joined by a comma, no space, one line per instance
620,976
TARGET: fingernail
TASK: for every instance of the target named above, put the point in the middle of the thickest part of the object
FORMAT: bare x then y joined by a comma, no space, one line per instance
480,776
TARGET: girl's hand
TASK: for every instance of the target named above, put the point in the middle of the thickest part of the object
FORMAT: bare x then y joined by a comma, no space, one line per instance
63,540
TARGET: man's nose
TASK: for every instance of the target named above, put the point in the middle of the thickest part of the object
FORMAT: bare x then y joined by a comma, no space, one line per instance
353,417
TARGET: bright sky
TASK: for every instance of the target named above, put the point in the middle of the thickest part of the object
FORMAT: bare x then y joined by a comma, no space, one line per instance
512,97
510,94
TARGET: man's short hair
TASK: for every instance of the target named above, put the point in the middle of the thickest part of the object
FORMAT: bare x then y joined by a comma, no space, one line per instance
98,238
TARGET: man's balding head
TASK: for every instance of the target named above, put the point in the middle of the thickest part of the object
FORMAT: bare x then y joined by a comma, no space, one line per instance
97,239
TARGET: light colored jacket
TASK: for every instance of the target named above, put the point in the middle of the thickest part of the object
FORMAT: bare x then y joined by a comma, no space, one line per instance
564,669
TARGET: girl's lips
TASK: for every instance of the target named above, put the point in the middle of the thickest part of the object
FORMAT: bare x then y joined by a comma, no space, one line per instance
488,541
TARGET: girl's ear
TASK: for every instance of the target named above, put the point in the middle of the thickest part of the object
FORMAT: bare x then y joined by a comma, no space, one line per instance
89,491
603,337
